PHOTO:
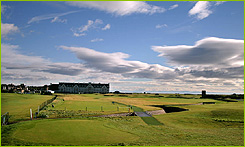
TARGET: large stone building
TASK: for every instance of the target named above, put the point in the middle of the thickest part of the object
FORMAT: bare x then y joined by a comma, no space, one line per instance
82,88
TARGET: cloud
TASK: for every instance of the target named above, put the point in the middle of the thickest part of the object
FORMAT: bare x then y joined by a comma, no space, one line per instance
57,19
185,58
49,16
91,24
210,57
96,24
70,69
173,7
219,3
117,69
117,63
19,77
119,8
201,10
107,27
36,70
7,29
225,73
210,72
4,8
79,34
207,51
13,59
161,26
97,39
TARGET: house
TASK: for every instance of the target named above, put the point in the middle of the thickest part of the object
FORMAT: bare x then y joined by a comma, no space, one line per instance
82,88
11,88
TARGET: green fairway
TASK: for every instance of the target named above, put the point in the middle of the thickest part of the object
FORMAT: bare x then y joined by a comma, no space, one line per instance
18,105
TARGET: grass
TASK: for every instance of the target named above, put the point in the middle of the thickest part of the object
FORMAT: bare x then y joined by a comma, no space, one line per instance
71,132
206,116
18,105
80,102
220,124
137,109
82,105
151,121
144,101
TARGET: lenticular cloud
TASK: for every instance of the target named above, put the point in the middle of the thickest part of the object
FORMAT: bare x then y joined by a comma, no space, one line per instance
208,51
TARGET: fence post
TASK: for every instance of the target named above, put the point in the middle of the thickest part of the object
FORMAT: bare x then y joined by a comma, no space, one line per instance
3,123
38,109
31,113
7,116
101,108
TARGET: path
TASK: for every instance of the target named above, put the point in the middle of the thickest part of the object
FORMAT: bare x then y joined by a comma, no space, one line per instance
142,114
148,119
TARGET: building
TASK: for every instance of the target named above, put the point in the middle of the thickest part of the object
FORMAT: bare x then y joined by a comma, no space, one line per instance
203,93
82,88
11,88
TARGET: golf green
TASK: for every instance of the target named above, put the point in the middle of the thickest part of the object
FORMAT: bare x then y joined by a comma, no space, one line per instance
71,132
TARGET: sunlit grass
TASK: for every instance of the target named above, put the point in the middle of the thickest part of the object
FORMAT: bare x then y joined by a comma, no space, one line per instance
18,105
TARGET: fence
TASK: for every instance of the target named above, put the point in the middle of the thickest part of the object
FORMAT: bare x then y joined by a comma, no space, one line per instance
85,111
40,107
5,119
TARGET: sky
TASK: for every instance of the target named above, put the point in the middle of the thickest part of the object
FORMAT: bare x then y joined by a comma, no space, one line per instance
136,46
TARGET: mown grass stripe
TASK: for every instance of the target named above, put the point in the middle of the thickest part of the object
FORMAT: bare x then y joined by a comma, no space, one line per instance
151,121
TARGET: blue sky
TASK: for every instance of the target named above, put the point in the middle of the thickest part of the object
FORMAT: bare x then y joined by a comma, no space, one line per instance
135,46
